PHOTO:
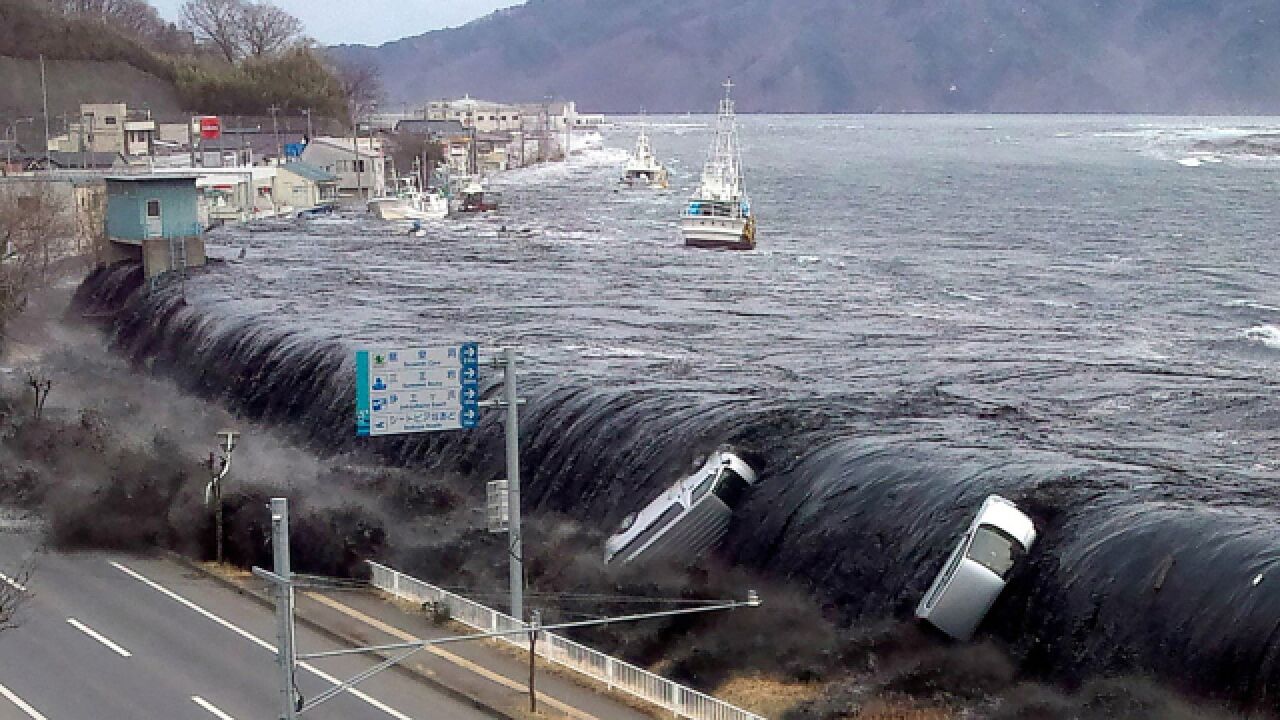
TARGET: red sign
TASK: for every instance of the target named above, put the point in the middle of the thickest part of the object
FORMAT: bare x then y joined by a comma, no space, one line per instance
210,128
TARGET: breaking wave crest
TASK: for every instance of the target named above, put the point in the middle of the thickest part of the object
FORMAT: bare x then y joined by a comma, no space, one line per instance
1130,573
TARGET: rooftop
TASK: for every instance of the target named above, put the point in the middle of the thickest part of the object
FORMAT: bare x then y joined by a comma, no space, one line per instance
310,172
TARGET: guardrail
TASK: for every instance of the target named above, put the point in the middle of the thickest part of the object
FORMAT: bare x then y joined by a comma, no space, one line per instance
615,674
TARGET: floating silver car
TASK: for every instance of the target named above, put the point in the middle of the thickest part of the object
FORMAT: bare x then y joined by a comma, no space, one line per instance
978,568
686,519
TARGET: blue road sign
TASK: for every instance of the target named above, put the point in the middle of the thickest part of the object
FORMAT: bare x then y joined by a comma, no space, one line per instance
410,390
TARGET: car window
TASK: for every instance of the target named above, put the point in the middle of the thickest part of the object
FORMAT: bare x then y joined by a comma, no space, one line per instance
730,487
703,487
994,550
662,524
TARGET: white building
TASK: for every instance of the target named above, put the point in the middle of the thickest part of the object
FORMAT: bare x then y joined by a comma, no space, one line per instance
482,115
363,170
108,128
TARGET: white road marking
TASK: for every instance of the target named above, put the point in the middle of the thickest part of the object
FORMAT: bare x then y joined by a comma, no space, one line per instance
98,636
16,585
30,711
255,639
209,706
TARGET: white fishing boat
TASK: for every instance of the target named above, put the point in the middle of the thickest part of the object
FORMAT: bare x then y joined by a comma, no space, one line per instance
476,197
409,203
643,168
719,212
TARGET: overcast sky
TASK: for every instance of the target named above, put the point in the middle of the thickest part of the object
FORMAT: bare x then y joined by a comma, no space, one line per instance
371,22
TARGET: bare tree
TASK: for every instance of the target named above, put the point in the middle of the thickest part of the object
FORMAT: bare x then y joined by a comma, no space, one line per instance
361,83
40,385
34,228
266,29
242,28
136,17
217,22
13,591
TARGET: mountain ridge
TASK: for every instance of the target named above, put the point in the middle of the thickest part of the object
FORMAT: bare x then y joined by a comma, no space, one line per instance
1144,56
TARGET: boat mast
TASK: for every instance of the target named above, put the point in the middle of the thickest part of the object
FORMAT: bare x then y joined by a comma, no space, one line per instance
722,166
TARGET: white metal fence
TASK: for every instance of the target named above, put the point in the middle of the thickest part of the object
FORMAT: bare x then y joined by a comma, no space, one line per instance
681,701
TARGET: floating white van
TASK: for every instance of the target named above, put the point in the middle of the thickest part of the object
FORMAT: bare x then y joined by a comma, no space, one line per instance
978,568
686,519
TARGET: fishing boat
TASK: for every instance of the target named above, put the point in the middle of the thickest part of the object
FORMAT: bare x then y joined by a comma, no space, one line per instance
409,203
718,214
475,198
643,169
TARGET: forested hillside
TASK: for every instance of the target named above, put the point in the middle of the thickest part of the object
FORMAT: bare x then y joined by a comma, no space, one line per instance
121,50
1176,56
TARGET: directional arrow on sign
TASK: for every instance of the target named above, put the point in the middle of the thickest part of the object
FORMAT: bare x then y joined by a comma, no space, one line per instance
469,373
469,393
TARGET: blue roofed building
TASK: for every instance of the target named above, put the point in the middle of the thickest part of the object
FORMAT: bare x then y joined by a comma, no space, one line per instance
155,219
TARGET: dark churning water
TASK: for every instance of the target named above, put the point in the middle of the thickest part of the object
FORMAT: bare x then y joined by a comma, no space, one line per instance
1081,314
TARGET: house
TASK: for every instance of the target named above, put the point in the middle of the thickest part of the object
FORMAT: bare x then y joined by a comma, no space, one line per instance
359,164
305,186
231,194
492,152
155,218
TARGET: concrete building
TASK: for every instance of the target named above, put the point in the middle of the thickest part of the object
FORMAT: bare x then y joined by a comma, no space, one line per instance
155,219
108,128
482,115
554,116
437,130
304,186
364,172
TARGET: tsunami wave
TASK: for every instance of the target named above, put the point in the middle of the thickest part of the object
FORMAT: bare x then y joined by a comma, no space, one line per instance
1136,569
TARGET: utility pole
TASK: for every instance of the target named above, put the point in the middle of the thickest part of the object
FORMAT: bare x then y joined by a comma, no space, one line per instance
355,147
544,152
514,545
213,491
275,130
44,92
472,161
286,652
535,623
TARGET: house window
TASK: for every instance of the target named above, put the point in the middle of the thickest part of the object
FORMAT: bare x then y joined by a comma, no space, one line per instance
109,120
360,166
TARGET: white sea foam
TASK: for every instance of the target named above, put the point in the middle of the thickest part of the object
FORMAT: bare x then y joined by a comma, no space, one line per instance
1245,302
1268,335
1190,162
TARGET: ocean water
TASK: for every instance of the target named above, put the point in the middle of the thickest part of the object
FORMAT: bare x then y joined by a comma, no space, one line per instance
1065,310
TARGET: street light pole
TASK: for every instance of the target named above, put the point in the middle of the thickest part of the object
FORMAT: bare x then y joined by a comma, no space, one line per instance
213,492
515,543
275,130
286,651
11,135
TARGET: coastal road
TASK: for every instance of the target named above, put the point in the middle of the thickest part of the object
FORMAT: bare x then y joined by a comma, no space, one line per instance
116,637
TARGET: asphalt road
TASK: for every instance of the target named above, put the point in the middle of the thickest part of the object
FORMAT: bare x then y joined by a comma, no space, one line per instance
113,637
